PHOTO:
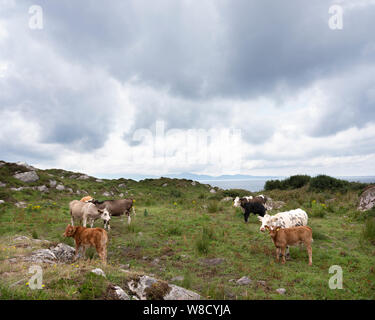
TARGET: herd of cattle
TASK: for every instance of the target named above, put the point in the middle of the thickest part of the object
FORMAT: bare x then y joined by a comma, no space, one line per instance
285,228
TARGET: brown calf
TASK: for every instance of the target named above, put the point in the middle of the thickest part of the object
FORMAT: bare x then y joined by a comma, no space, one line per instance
88,237
289,237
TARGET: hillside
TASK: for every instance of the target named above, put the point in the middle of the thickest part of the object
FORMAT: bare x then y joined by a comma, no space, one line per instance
184,233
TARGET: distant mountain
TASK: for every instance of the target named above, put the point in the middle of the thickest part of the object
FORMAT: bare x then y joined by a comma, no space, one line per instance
200,177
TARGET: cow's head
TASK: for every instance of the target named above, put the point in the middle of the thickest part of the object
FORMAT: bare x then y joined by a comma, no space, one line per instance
237,202
266,220
70,231
104,214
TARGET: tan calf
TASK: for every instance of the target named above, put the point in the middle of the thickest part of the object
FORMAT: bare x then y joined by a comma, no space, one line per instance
289,237
88,237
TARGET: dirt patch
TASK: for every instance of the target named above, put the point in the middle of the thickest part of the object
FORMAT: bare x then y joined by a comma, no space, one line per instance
133,253
167,251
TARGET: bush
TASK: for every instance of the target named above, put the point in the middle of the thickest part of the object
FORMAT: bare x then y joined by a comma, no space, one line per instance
93,287
203,242
318,210
323,183
212,207
293,182
35,235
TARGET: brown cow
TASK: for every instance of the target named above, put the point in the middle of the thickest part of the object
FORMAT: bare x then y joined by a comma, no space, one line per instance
88,237
289,237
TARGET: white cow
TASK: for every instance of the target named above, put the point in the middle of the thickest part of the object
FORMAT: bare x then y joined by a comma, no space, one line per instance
287,219
87,211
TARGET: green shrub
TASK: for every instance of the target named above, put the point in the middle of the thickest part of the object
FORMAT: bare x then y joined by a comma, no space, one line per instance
202,244
35,235
324,182
318,210
176,193
93,287
212,207
293,182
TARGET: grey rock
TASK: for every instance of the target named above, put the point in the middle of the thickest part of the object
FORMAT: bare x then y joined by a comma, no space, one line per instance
21,204
24,164
367,199
2,201
63,252
193,183
213,262
83,177
173,292
244,281
41,256
165,185
121,195
212,191
17,189
29,176
106,194
281,291
52,183
70,190
122,185
60,187
42,188
116,293
99,272
99,180
2,185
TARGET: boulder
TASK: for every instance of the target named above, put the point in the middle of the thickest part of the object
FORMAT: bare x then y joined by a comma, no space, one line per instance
106,194
41,256
99,272
24,164
21,204
60,187
63,252
52,183
367,199
116,293
244,281
83,177
193,183
274,205
2,184
165,185
281,291
122,185
146,287
42,188
212,191
29,176
2,201
99,180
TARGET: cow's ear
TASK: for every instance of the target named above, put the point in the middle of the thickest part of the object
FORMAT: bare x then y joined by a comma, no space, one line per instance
260,218
100,210
278,228
267,227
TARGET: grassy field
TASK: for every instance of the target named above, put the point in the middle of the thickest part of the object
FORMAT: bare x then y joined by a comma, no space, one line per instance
177,231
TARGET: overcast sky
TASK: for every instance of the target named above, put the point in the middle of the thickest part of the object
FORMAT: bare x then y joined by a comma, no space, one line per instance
167,86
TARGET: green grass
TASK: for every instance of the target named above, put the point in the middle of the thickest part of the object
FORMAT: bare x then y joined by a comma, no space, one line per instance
184,228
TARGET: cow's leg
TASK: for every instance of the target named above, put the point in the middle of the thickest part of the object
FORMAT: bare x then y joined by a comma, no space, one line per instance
287,253
283,254
72,221
84,221
246,216
92,223
277,254
76,252
309,251
129,219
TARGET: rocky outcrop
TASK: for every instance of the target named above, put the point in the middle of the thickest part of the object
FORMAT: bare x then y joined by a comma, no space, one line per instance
29,176
62,253
273,204
367,199
149,288
116,293
60,187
